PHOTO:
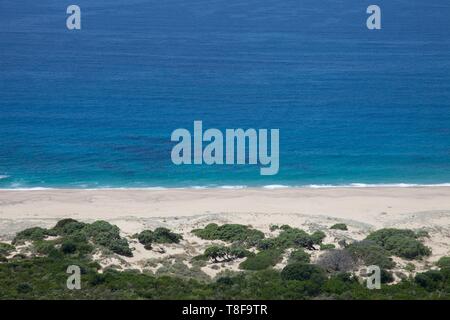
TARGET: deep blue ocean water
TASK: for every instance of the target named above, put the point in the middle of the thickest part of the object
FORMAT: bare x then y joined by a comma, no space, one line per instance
96,107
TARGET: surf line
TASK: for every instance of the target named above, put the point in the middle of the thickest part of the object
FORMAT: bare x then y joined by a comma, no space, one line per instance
230,150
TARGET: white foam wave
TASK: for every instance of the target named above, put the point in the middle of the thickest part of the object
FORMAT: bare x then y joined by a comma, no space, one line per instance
276,186
20,187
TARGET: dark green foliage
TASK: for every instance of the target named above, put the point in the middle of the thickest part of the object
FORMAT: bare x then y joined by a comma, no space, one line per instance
339,226
68,247
444,263
317,237
44,247
108,235
216,252
386,276
228,232
431,280
33,234
5,249
24,288
44,277
370,253
160,235
400,242
225,253
262,260
265,244
120,246
299,256
146,238
164,235
68,227
293,237
302,272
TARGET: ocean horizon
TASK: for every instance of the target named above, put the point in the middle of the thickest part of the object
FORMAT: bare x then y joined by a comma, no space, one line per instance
95,108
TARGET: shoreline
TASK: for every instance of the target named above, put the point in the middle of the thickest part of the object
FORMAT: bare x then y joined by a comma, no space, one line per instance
376,206
240,187
362,209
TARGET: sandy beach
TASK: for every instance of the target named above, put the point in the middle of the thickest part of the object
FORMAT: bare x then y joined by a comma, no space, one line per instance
376,207
133,210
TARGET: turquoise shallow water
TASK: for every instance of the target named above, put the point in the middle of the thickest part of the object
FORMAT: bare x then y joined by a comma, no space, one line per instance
96,107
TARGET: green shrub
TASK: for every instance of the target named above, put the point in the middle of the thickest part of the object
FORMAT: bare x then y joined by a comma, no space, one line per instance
68,247
299,256
228,232
68,226
405,247
265,244
370,253
164,235
160,235
400,242
318,236
444,263
146,238
339,226
327,246
262,260
225,253
386,276
293,237
6,248
430,280
216,252
44,247
410,267
121,247
32,234
303,272
24,288
105,234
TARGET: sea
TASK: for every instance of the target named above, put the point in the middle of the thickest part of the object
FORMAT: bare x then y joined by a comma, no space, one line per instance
95,107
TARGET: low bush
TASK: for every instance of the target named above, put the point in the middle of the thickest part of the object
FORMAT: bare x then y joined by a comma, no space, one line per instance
400,242
303,272
443,263
293,237
370,253
225,253
68,227
164,235
339,226
159,235
262,260
430,280
317,237
6,248
299,256
68,247
33,234
228,232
